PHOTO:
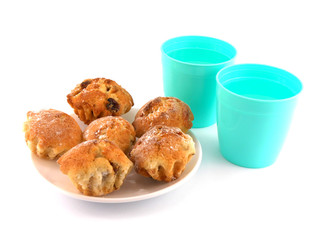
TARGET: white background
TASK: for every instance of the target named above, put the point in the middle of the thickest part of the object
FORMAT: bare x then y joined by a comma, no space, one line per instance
47,47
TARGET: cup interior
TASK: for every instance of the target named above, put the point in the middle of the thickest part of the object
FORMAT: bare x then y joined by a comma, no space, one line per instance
198,50
259,82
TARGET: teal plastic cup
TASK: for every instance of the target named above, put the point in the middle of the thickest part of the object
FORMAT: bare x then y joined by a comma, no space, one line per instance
190,65
255,104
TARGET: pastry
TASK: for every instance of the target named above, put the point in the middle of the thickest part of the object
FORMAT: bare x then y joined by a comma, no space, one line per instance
115,129
95,167
167,111
99,97
50,133
162,153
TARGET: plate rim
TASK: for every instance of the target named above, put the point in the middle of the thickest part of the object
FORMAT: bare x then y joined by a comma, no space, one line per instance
156,193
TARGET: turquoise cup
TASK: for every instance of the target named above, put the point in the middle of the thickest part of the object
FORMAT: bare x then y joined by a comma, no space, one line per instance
190,65
255,104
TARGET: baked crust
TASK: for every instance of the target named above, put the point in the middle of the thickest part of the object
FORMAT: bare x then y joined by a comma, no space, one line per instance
162,153
99,97
115,129
167,111
50,133
95,167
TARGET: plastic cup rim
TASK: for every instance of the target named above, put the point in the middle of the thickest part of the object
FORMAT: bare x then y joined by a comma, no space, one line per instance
256,99
201,64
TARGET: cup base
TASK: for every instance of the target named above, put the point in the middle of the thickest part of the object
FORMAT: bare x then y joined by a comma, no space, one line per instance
201,125
247,164
252,167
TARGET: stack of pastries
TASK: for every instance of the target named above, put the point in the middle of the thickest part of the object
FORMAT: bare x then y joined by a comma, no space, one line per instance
98,159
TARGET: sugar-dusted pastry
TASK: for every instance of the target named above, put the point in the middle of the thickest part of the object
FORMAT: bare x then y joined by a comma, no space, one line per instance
50,133
167,111
99,97
96,167
115,129
162,153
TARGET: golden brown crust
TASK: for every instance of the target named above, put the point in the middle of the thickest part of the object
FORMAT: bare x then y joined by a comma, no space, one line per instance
167,111
99,97
50,133
95,167
115,129
162,153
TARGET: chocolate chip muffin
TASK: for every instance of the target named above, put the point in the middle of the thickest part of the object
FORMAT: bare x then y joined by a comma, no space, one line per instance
95,167
162,153
115,129
167,111
50,133
99,97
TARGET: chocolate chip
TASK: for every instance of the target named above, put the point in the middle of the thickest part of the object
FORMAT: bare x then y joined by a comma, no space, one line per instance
85,83
112,105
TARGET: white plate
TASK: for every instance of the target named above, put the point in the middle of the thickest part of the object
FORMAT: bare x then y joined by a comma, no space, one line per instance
134,188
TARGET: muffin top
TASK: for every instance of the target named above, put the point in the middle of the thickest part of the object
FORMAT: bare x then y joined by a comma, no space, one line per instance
162,153
115,129
95,167
167,111
51,131
99,97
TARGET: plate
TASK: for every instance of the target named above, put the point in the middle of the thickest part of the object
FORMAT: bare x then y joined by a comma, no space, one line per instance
134,188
